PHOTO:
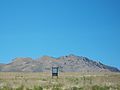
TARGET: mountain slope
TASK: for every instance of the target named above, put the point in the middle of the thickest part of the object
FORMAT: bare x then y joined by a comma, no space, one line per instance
70,63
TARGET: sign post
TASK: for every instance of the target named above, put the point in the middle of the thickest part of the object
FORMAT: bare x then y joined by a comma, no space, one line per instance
54,72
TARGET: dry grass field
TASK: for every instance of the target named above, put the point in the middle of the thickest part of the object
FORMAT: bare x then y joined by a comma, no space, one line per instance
65,81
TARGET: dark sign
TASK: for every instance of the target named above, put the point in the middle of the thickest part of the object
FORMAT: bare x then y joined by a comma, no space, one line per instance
54,71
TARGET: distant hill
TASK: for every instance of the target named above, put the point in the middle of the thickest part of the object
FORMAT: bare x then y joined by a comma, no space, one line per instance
69,63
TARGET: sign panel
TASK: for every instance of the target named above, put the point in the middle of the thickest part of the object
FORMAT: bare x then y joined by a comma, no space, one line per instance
54,71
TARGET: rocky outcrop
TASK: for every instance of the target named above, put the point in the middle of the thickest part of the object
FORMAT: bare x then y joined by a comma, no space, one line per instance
69,63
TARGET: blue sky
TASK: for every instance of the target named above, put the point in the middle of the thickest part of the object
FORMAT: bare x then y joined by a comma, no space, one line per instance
33,28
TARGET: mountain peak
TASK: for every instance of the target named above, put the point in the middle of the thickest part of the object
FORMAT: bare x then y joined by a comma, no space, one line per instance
68,63
45,58
22,59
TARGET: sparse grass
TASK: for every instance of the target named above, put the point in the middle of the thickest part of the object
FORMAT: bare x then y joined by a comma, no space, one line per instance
66,81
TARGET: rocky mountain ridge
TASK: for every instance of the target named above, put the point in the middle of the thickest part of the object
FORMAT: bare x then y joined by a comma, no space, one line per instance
69,63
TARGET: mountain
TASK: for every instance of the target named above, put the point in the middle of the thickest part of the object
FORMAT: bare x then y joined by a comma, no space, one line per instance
69,63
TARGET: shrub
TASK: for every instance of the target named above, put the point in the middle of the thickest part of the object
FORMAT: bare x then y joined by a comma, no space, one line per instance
37,88
20,88
96,87
56,88
28,89
76,88
5,88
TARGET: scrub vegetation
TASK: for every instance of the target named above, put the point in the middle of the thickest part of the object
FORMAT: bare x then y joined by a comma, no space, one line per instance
65,81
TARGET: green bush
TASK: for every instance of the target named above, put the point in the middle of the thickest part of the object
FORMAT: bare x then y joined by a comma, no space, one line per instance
96,87
20,88
56,88
37,88
76,88
5,88
28,89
